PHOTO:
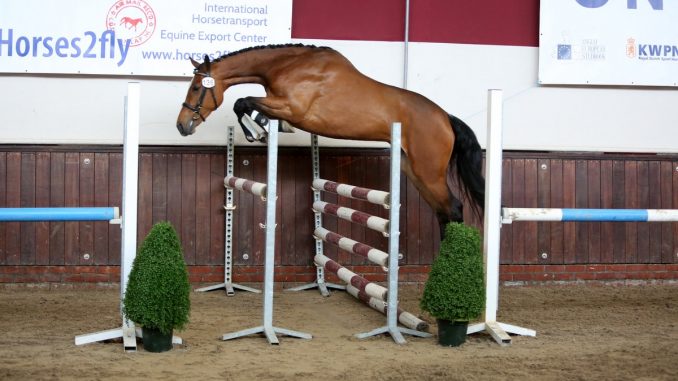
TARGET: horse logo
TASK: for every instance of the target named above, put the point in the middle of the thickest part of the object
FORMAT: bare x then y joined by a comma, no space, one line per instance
130,22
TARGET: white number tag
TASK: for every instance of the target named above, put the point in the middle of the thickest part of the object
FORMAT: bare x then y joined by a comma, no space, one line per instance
208,82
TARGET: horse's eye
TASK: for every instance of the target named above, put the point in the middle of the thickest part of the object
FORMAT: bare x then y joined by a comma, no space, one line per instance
195,88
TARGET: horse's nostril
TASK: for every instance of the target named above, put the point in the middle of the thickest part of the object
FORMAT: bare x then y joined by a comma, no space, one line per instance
180,127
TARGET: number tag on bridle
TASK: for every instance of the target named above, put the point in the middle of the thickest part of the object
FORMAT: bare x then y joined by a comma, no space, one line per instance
208,82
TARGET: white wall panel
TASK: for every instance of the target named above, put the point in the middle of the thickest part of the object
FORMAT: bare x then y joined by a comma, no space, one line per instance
89,110
568,118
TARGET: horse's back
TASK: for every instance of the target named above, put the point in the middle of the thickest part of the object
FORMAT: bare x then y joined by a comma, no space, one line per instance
341,102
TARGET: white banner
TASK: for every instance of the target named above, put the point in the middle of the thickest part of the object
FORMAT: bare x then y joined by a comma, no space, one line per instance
609,42
133,37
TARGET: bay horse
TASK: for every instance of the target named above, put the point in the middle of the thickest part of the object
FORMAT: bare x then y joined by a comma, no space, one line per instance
318,90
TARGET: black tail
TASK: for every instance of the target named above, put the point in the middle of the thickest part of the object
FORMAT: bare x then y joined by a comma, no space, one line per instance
468,159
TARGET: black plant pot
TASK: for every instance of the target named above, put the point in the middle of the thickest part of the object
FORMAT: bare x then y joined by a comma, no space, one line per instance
451,333
156,341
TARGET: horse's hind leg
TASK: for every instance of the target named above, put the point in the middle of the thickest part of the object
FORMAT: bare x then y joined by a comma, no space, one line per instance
456,214
431,182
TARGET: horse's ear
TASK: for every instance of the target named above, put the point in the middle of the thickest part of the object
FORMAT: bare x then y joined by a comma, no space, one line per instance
207,63
194,63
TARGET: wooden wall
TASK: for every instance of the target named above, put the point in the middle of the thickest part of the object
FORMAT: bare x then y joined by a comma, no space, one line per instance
591,181
185,187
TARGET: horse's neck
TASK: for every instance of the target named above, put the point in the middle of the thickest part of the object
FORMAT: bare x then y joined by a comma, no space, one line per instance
254,63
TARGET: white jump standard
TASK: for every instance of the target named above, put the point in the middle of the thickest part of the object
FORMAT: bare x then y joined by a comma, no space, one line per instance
230,183
128,247
267,328
495,216
492,223
322,285
391,326
379,298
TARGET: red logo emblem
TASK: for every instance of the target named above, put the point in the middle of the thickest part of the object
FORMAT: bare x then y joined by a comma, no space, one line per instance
133,20
631,47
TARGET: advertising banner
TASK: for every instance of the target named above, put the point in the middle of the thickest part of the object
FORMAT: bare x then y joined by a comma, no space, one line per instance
133,37
608,42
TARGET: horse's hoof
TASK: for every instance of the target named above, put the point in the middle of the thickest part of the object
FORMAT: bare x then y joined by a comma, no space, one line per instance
251,128
260,119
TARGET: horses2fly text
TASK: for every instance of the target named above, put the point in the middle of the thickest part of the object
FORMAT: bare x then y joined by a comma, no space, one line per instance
89,45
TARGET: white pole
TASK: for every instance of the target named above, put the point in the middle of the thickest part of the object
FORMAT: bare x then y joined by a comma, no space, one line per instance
492,226
130,180
128,245
406,44
492,221
394,236
391,326
269,260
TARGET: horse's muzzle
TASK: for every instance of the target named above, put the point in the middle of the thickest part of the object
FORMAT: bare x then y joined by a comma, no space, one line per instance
185,131
186,128
180,127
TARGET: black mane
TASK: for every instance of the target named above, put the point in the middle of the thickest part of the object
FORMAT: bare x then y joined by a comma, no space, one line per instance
272,46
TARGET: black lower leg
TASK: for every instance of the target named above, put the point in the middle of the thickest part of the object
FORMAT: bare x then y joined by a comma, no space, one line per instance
241,107
443,220
456,215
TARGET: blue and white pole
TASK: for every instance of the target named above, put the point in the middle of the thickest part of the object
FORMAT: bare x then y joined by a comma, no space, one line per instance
111,214
588,215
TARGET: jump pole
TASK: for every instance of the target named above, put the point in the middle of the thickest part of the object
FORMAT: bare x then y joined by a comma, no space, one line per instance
583,215
492,225
111,214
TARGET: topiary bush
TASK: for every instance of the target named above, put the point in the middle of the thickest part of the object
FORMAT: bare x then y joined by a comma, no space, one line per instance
157,294
455,289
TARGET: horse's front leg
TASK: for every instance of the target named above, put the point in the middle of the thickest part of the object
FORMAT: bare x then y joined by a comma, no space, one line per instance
252,122
269,107
274,107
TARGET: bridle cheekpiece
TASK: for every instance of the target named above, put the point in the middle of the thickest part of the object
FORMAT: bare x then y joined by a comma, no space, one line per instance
207,83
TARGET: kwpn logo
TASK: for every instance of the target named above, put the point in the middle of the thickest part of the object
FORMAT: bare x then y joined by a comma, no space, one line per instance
564,51
651,52
132,20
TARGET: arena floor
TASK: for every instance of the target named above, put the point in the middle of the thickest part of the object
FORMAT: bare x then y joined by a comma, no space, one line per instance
583,333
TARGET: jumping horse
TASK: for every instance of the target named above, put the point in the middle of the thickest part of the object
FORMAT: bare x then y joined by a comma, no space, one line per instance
316,89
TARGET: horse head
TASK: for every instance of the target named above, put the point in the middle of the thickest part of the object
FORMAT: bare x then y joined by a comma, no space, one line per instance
204,96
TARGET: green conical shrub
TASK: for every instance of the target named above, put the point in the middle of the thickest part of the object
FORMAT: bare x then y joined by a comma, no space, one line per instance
455,289
157,294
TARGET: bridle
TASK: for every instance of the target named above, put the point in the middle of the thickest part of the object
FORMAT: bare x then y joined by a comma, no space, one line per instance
207,83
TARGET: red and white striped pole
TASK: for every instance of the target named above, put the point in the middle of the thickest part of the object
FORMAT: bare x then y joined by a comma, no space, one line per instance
372,289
